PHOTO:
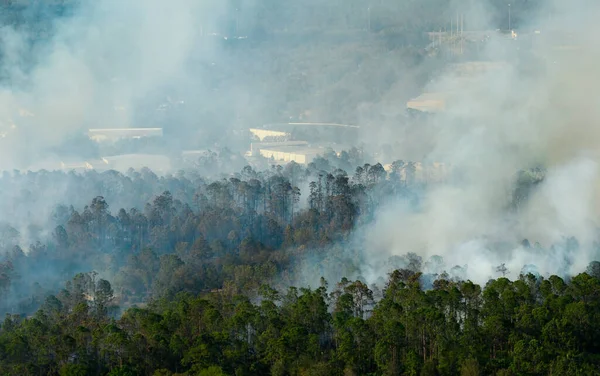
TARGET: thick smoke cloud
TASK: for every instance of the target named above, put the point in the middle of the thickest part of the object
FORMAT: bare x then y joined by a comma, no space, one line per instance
539,109
102,64
99,67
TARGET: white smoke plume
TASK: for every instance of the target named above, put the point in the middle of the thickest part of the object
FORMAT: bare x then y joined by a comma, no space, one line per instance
531,112
95,69
101,63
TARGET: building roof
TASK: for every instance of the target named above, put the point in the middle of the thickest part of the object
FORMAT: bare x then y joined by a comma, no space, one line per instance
125,130
428,102
295,150
277,125
125,161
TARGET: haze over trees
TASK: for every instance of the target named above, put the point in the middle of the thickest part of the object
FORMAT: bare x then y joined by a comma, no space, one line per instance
200,279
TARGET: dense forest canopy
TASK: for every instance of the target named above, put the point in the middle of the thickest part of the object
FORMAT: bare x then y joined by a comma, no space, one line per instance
532,326
198,278
201,275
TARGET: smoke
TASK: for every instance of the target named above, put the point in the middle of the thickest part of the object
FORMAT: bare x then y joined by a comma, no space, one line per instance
111,63
538,108
105,64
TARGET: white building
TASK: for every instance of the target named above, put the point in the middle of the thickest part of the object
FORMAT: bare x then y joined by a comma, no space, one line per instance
261,134
114,134
285,154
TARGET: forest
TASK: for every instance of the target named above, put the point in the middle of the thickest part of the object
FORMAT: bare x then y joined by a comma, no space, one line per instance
202,276
531,326
227,269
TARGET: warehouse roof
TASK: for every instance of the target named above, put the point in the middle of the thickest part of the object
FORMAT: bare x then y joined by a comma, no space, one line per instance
295,149
428,102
